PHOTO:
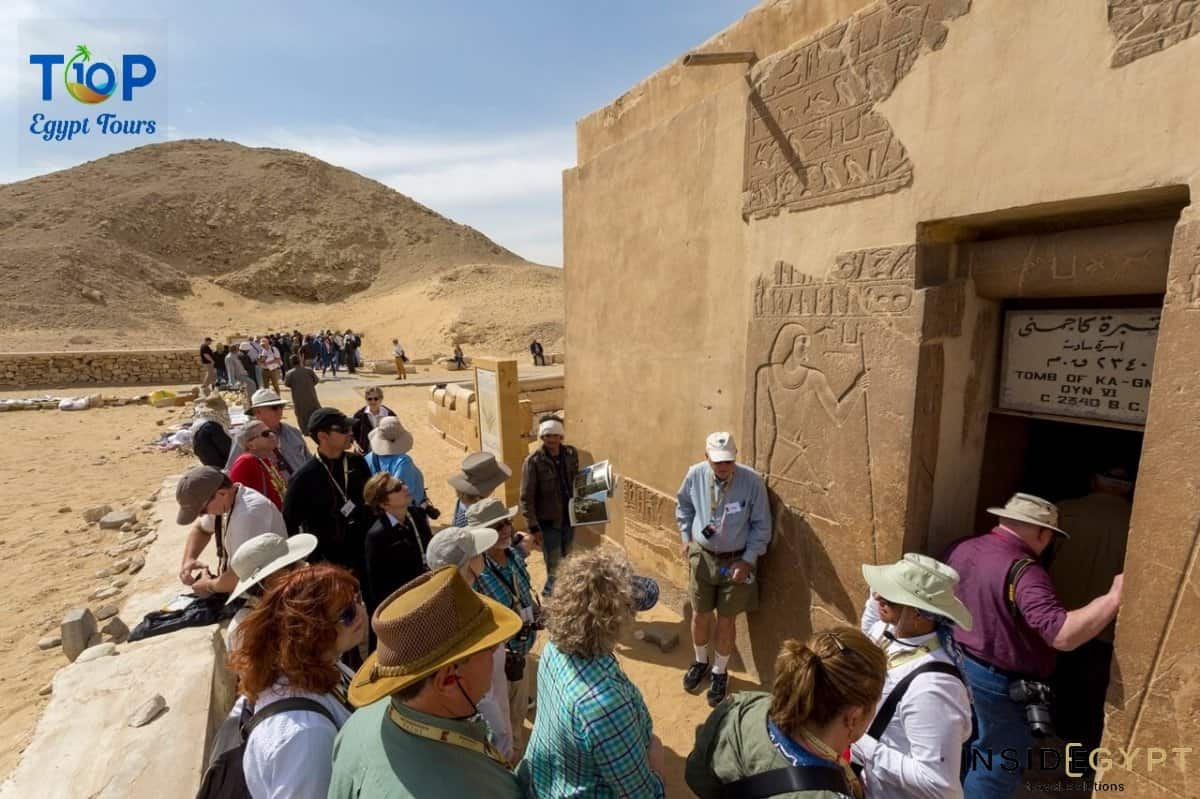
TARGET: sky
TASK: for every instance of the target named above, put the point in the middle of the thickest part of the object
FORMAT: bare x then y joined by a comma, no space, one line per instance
467,107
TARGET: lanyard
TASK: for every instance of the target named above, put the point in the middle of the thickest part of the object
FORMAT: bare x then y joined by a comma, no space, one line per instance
895,659
510,587
445,736
408,519
718,491
345,475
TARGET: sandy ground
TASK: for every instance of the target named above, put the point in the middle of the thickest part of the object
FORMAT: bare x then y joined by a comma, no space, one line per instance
48,559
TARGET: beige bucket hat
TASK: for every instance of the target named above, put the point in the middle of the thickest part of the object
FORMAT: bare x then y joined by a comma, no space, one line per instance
921,582
489,512
265,554
481,474
1031,510
390,437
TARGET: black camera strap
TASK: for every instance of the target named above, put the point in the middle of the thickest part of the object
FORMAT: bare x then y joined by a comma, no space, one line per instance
511,586
1015,570
789,779
883,717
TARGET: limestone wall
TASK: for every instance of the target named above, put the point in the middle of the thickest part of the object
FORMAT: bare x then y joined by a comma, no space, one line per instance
801,237
108,367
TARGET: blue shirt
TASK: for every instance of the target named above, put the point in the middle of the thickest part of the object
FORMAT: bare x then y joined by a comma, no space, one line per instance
592,733
402,468
739,511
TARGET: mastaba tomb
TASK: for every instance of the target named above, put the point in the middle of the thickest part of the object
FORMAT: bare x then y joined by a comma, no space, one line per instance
918,255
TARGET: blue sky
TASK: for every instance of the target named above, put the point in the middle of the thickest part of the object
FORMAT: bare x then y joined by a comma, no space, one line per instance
468,107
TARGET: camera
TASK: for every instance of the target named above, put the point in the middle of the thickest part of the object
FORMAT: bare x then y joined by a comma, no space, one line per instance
1036,697
708,532
514,666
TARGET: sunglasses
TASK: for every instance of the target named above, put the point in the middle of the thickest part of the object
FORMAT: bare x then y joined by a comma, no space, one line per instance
374,399
347,616
397,487
266,434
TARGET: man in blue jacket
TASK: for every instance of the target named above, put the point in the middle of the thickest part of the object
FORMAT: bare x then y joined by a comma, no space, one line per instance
724,523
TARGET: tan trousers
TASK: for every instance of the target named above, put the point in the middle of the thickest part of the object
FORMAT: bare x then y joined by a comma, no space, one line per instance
209,378
271,376
400,373
518,705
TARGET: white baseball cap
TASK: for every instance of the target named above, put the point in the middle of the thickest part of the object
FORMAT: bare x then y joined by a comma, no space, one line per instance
720,447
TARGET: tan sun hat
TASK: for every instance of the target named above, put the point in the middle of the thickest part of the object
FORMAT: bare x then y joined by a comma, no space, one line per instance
390,437
481,474
431,622
265,398
265,554
489,512
921,582
1031,510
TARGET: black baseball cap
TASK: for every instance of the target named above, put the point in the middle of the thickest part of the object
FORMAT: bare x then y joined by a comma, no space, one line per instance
323,419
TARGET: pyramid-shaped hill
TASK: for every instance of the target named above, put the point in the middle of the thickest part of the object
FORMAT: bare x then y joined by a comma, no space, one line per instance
121,244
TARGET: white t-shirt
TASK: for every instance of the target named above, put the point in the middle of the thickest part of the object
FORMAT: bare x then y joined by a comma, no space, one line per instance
272,358
290,755
919,753
252,515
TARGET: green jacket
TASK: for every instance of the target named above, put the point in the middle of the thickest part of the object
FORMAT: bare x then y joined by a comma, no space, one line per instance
733,743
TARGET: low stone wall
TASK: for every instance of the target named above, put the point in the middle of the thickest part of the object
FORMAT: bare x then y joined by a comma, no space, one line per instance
453,410
106,368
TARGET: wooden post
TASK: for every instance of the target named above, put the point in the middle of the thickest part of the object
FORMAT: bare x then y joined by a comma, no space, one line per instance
497,398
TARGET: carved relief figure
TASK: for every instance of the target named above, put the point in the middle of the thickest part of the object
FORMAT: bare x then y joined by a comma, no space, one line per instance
1145,27
809,437
816,103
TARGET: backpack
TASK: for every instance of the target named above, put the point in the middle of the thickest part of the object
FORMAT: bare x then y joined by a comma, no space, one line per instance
224,778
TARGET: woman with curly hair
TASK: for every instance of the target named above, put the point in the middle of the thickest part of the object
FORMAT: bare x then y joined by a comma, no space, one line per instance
593,735
290,645
789,743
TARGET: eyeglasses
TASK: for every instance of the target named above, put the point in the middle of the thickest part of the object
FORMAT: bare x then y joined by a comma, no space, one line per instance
347,616
374,399
397,488
266,434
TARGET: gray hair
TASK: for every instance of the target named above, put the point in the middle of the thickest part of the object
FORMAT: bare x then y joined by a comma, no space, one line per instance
248,431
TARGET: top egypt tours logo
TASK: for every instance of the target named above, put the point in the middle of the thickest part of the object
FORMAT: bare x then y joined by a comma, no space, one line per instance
91,81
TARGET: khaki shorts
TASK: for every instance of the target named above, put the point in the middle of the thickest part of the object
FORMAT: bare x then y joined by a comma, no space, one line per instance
710,591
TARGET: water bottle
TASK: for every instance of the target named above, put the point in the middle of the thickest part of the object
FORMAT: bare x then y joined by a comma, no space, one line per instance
727,572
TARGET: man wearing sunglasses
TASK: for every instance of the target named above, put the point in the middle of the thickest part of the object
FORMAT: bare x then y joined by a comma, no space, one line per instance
325,497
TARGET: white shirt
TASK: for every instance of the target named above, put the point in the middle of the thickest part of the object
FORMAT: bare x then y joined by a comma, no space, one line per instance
494,707
919,754
271,358
397,350
373,417
252,514
290,755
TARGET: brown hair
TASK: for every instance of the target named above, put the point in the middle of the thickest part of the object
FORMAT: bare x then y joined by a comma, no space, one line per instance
293,630
375,492
593,599
814,681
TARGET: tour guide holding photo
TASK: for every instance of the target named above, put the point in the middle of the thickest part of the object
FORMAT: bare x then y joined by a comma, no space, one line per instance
725,524
1019,625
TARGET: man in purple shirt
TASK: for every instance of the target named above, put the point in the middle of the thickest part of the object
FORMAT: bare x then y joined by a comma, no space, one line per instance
1017,641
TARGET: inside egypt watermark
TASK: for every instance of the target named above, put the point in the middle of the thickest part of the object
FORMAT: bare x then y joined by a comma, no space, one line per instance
1078,764
91,86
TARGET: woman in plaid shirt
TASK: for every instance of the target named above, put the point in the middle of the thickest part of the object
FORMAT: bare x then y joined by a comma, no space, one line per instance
593,735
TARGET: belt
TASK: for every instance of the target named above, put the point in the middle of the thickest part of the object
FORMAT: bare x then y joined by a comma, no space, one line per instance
725,555
1011,675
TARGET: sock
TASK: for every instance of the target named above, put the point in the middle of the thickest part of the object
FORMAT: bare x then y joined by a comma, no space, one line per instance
701,653
719,663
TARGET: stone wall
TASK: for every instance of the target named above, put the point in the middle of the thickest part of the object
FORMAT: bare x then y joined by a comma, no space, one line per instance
823,247
104,368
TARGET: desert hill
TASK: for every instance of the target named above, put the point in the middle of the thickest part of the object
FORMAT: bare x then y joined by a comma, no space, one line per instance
159,245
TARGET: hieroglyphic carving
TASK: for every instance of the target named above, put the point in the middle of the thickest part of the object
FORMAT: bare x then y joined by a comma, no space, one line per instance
1145,27
812,135
647,506
808,415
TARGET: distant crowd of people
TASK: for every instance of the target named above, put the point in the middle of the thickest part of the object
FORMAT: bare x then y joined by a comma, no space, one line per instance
259,361
380,656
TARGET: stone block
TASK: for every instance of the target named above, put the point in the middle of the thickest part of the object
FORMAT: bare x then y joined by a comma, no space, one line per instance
78,626
96,652
115,519
95,514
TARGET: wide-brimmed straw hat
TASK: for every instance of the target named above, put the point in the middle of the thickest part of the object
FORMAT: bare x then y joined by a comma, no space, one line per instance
1031,510
489,512
481,474
390,437
265,554
430,622
921,582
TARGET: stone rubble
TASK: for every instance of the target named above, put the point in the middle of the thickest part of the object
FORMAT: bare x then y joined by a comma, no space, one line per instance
148,711
96,652
78,626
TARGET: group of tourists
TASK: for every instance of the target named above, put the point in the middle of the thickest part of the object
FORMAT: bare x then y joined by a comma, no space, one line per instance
377,657
259,361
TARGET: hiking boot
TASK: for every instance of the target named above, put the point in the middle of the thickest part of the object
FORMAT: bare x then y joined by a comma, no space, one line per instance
695,673
718,689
